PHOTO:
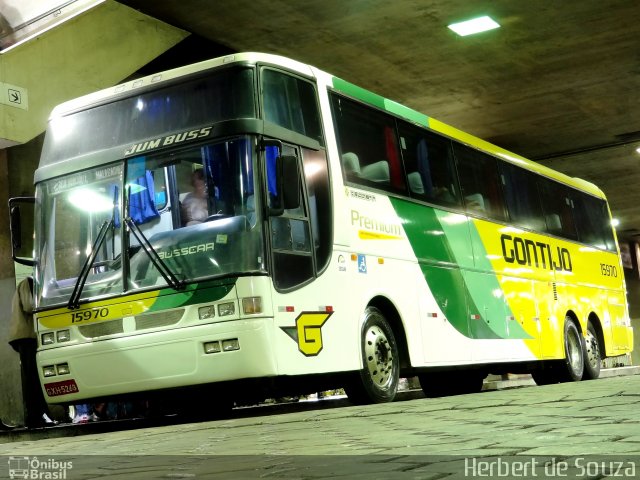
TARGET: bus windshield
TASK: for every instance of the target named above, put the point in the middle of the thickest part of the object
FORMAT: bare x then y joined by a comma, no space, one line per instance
223,95
194,208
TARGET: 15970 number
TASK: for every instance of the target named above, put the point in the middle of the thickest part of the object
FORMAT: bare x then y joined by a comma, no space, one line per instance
608,270
86,315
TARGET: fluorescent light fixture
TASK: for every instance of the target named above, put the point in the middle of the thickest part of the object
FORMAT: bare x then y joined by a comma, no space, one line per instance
475,25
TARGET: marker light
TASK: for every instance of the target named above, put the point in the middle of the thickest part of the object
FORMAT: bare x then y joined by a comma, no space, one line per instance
475,25
49,371
225,309
48,338
207,312
63,335
251,305
230,345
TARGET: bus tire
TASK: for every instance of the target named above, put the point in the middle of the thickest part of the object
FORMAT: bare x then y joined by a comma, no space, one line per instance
572,367
377,381
592,358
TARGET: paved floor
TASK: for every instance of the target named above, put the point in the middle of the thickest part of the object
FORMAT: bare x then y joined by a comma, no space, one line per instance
451,437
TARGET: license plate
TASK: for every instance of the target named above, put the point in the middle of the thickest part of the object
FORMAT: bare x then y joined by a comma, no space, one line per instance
61,388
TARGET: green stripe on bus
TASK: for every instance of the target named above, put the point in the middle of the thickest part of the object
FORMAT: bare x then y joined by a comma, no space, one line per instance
380,102
358,92
486,290
406,112
440,258
193,294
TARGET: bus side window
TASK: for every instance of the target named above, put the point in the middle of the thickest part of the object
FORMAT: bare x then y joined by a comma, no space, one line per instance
521,197
592,221
478,173
291,103
558,209
368,146
429,166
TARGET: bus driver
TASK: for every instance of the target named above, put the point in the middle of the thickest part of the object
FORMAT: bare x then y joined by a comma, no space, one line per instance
194,205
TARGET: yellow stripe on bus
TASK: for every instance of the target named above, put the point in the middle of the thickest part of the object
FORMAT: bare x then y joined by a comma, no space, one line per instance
99,311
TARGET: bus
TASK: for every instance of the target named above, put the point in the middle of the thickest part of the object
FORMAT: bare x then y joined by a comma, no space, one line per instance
346,241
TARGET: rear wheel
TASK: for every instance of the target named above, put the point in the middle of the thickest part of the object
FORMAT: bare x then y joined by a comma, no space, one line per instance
592,358
377,382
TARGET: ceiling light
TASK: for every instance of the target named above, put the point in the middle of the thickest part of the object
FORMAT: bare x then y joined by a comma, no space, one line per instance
475,25
615,222
638,149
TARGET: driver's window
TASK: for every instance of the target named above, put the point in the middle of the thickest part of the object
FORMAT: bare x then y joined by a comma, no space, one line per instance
290,234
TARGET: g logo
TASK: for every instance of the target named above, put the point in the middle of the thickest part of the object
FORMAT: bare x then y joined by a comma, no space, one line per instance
308,332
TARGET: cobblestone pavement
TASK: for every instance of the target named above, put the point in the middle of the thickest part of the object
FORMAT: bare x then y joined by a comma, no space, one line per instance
545,427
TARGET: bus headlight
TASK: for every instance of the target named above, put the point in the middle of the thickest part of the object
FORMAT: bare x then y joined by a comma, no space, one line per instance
48,338
49,371
251,305
204,313
63,335
230,345
225,309
212,347
63,369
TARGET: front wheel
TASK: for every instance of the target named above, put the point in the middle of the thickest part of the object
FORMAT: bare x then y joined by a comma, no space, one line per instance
377,381
572,367
592,358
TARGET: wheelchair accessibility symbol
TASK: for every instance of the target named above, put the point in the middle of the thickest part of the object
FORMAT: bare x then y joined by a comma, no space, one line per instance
362,263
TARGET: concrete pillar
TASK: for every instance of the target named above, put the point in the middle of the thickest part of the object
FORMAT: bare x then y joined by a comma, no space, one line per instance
632,280
94,50
10,387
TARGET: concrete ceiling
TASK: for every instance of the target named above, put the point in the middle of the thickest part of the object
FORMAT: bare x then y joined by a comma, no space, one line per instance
559,82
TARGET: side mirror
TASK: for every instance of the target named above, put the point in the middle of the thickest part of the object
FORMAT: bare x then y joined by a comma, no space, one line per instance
21,211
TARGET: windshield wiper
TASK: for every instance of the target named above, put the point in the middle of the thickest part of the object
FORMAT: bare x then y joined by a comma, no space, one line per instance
170,277
74,299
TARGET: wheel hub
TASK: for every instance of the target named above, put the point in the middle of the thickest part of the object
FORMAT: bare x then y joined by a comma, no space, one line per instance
379,357
593,352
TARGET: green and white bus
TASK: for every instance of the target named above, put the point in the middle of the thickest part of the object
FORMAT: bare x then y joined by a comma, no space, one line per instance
348,241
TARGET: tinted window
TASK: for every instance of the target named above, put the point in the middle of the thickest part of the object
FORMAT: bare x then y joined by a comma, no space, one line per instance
291,103
320,213
290,235
429,166
368,146
227,94
592,220
478,173
557,209
521,197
